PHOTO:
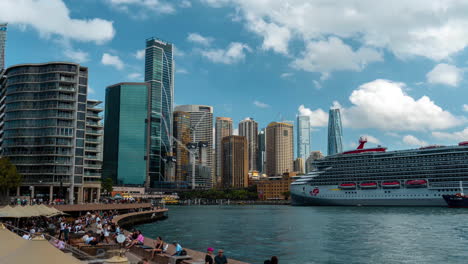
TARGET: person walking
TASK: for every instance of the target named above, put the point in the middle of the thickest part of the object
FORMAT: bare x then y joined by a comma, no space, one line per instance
221,258
209,256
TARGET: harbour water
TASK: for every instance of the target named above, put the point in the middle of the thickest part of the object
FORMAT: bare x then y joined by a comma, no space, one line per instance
253,233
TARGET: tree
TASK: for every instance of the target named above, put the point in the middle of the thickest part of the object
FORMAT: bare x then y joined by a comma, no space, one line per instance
107,185
9,178
286,194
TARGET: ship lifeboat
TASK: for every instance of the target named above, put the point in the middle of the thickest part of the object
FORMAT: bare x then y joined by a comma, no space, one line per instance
368,185
391,184
348,186
416,183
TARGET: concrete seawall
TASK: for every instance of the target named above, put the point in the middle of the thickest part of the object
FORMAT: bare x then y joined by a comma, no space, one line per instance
127,221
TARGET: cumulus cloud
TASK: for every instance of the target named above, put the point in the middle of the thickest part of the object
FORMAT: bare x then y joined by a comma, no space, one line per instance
235,131
78,56
181,71
384,105
286,75
430,29
260,104
318,118
52,17
140,54
143,6
445,74
413,141
317,84
185,4
234,53
333,55
135,76
458,135
199,39
372,139
111,60
465,107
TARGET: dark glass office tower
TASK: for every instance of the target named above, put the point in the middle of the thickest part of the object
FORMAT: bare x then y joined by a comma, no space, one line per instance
159,73
3,34
335,132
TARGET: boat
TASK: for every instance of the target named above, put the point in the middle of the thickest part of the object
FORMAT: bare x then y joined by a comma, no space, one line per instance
377,177
416,183
368,185
390,184
458,200
348,186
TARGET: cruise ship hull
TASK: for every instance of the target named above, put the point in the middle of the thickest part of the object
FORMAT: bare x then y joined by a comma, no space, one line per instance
308,195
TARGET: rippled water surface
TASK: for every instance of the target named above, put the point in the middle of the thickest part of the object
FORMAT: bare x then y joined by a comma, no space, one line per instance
320,234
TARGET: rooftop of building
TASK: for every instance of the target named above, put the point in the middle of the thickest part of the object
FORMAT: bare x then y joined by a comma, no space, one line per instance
45,63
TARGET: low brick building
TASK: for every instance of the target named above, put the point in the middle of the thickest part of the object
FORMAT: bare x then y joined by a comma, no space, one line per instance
274,188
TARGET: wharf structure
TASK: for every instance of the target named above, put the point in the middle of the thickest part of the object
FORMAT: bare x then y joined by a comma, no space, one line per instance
51,131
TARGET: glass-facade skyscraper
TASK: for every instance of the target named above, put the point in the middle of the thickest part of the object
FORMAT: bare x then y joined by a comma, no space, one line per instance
261,151
248,128
3,34
303,137
335,132
159,73
125,131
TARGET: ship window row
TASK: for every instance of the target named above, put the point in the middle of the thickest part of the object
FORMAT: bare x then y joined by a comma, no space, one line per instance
434,165
372,158
407,170
393,173
390,163
380,196
443,178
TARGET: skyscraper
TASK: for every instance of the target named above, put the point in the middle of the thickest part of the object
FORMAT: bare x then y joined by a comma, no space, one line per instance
44,130
261,151
309,164
125,133
303,137
234,163
159,73
182,134
279,148
335,132
223,128
3,35
248,128
201,126
299,164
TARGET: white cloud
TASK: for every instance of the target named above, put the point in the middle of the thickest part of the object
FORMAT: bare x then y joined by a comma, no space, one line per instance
318,118
260,104
330,55
232,54
199,39
384,105
286,75
465,107
185,4
135,76
182,71
458,135
445,74
52,17
111,60
430,29
235,131
78,56
413,141
143,6
91,90
177,52
317,85
140,54
372,139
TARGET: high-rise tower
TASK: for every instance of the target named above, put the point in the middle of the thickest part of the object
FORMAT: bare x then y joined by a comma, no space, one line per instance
248,128
234,161
335,132
182,134
303,137
279,148
201,128
223,129
159,73
261,151
3,34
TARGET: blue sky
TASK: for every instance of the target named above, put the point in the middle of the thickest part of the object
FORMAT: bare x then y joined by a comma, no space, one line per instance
398,76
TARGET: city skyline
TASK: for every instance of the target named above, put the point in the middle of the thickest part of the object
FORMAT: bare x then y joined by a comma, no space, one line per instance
278,87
